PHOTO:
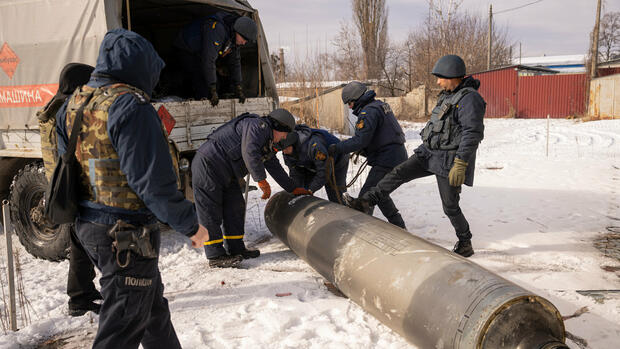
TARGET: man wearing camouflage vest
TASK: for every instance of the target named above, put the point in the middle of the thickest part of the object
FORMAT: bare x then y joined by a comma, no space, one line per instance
80,287
448,150
127,182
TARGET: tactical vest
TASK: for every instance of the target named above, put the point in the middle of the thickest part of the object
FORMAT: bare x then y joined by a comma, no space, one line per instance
442,132
47,130
388,132
102,180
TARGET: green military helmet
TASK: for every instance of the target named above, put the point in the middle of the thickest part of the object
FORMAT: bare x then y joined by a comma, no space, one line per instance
449,67
352,91
282,120
246,27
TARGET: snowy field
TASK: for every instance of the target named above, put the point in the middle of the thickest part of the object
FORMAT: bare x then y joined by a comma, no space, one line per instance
535,220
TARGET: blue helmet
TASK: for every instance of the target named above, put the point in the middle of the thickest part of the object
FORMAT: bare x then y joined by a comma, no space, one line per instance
449,66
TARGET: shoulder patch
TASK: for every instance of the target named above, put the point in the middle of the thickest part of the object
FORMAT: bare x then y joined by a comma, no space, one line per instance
216,43
320,156
213,26
363,113
314,145
360,125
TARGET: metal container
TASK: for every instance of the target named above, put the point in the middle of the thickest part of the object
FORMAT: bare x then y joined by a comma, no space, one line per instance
431,296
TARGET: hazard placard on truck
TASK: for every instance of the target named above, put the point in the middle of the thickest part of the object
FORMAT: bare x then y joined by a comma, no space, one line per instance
39,37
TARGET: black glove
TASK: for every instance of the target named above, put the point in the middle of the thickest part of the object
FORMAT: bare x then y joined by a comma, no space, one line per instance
331,150
361,205
214,99
240,94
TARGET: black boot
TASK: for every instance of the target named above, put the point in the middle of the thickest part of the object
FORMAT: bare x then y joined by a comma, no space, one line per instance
463,247
225,261
247,253
81,309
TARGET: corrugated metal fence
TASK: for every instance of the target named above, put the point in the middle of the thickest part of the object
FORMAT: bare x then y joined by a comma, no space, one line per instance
511,94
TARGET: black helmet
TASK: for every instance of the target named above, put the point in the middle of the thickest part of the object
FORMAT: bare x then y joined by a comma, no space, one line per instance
352,91
449,66
246,27
282,120
290,139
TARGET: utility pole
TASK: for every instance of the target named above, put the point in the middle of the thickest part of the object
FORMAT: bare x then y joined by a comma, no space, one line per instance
489,38
597,25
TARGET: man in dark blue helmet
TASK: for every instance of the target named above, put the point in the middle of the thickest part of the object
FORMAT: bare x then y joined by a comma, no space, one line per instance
305,154
379,137
211,41
246,144
448,150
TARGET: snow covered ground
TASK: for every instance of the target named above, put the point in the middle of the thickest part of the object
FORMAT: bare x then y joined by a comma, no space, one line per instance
535,219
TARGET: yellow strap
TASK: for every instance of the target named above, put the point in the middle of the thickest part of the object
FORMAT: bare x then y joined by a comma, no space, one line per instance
233,237
214,242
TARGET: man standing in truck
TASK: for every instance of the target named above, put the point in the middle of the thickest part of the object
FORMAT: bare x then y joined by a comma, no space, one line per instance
211,43
126,184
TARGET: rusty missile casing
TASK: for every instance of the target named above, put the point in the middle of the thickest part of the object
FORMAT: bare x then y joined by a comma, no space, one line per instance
429,295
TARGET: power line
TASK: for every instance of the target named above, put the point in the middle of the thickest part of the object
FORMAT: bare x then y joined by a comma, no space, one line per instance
518,7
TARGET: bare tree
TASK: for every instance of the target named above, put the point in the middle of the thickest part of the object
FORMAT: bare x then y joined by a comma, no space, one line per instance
370,17
449,31
348,56
609,37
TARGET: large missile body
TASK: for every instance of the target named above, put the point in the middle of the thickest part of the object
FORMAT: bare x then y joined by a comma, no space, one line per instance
431,296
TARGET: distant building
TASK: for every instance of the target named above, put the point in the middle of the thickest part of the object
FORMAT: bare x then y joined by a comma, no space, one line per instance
567,64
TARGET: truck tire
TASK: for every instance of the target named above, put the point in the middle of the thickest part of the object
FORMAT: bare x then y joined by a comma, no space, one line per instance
39,236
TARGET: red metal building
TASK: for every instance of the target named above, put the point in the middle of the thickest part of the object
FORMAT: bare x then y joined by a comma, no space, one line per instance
532,92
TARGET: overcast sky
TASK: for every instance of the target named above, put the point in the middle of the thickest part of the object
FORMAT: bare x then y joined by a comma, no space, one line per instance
549,27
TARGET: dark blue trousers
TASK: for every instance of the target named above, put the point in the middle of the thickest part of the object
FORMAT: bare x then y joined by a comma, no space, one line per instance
134,310
219,201
386,205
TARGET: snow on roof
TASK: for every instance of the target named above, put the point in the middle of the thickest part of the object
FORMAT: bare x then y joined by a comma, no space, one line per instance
551,60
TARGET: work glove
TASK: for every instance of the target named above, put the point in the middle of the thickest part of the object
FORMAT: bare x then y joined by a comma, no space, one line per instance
301,191
214,98
331,150
456,177
266,189
240,94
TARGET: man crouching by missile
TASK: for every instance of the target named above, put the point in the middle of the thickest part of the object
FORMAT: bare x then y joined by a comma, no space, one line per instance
305,154
247,143
448,150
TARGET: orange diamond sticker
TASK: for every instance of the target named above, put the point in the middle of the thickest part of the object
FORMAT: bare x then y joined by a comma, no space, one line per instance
8,60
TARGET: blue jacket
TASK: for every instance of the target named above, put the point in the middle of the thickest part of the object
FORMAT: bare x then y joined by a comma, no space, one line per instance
310,155
469,117
212,38
244,145
378,135
135,131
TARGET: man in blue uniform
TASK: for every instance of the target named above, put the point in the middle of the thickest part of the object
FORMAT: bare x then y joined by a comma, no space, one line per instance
310,167
450,140
126,184
241,146
379,137
212,42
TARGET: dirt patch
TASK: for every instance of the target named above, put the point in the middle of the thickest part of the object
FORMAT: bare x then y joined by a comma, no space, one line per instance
79,339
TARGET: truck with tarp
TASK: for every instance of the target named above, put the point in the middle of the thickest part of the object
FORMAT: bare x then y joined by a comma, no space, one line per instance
39,37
